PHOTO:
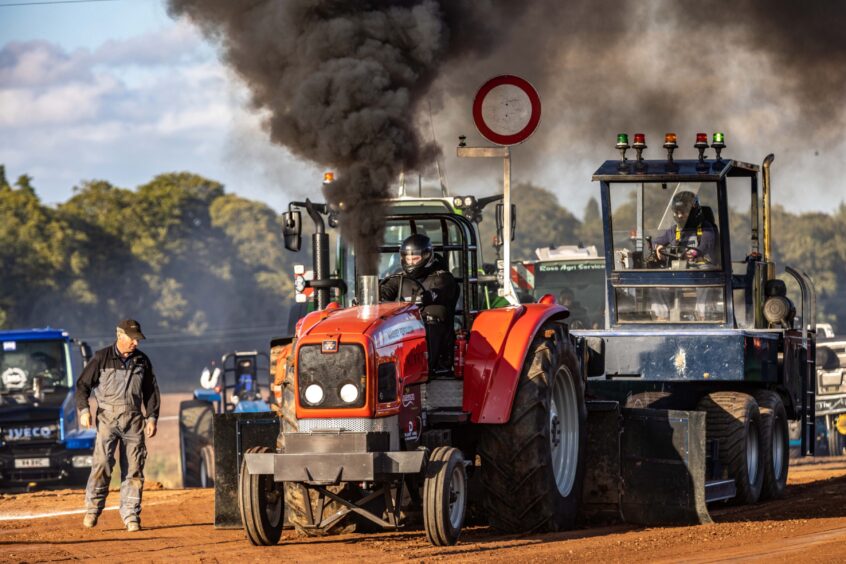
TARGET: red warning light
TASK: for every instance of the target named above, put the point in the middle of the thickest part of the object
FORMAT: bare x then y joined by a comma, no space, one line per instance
701,137
639,139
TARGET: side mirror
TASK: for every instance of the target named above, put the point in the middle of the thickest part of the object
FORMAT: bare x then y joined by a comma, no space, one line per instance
292,229
500,212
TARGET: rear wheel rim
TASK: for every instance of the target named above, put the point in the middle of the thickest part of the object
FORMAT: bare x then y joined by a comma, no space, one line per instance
457,496
564,431
752,453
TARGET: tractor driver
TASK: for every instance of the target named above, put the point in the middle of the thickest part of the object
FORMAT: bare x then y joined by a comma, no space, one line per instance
425,279
693,234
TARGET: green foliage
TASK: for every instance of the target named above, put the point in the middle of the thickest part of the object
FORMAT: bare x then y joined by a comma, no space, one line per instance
178,253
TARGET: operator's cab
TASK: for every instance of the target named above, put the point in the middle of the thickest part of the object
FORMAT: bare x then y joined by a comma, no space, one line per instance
663,269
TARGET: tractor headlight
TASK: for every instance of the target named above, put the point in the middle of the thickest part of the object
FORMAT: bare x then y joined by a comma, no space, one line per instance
314,394
349,393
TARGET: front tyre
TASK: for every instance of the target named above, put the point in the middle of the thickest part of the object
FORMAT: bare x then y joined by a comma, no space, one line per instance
533,466
444,496
261,501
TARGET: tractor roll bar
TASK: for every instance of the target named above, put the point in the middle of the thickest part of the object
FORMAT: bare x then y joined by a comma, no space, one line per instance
469,282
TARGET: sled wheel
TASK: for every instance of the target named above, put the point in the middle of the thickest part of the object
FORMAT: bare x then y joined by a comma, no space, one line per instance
733,419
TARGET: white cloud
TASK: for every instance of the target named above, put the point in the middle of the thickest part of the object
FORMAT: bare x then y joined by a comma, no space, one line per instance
128,110
178,43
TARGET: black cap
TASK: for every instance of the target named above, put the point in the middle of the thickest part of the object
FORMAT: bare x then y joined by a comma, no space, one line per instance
132,328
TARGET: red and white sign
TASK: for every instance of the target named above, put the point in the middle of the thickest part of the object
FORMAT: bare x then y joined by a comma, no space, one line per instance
506,110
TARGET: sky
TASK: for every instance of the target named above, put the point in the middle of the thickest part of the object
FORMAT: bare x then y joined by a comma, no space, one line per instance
119,91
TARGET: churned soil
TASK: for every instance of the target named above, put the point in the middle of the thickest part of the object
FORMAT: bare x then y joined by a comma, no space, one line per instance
810,523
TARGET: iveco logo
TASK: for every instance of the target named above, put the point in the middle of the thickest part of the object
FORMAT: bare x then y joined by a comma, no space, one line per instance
329,346
28,433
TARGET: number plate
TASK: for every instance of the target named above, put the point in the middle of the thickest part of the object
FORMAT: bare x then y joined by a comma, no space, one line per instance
32,463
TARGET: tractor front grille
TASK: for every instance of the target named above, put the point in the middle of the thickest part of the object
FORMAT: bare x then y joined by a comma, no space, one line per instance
331,371
388,425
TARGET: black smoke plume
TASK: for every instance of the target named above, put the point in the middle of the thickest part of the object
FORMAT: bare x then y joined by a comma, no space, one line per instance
343,81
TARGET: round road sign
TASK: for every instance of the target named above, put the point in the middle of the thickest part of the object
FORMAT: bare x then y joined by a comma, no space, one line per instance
506,110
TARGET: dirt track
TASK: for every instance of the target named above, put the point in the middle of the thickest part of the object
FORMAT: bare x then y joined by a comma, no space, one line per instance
809,524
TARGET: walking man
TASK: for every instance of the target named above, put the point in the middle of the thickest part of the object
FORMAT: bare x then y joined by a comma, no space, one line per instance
122,380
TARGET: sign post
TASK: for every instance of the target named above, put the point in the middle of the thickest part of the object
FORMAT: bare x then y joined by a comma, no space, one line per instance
506,111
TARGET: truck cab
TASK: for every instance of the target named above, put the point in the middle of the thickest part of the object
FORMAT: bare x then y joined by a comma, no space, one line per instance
573,274
41,442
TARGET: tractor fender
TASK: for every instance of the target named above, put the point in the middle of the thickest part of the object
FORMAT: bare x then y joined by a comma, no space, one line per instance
497,348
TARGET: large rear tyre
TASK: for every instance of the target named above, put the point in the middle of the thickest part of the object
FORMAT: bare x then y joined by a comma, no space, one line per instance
261,503
533,466
775,452
733,419
444,496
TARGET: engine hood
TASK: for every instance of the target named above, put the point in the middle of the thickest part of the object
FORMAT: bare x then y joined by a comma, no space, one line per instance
384,323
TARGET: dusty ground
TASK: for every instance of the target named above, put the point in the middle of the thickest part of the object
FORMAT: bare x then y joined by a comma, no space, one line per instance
810,523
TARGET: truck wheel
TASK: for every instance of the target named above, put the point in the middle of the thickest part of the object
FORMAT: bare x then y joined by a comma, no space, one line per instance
533,466
775,444
297,496
444,496
207,467
261,503
733,419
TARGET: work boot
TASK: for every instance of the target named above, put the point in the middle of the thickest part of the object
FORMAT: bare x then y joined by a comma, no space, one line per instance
133,526
89,521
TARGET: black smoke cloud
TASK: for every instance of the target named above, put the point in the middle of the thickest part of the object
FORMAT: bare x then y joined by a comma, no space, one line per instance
343,81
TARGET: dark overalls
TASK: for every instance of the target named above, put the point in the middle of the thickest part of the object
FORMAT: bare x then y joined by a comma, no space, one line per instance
120,386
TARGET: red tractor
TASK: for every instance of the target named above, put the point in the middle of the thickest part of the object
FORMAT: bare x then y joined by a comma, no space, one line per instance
370,437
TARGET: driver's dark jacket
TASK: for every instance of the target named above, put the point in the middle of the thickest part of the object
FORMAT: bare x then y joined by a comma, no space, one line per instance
436,279
703,238
120,385
438,316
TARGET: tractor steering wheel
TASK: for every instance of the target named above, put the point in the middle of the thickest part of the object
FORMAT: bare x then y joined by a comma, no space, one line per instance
675,252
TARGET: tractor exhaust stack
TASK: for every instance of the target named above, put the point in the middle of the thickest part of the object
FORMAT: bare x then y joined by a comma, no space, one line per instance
368,294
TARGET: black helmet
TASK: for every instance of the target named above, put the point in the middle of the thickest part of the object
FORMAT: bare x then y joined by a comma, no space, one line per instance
686,209
416,245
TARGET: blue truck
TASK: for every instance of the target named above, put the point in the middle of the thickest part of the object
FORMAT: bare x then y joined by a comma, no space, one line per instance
41,442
